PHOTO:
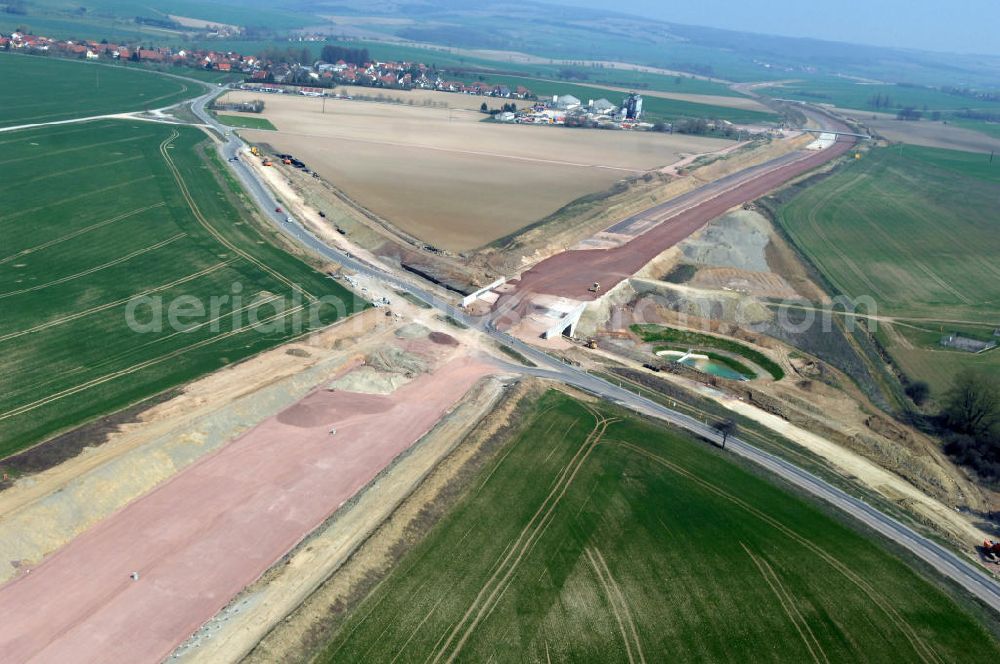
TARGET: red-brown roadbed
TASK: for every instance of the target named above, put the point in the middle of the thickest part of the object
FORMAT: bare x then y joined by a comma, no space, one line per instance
571,273
201,537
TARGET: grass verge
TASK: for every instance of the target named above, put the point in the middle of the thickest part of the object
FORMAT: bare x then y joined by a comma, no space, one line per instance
245,122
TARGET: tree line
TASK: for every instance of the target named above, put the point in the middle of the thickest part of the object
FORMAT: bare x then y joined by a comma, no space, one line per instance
969,422
354,56
880,100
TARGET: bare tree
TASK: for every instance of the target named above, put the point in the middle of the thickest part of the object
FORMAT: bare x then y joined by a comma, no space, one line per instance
725,428
972,405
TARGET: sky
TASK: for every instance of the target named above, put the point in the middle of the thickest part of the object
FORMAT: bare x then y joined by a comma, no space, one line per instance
958,26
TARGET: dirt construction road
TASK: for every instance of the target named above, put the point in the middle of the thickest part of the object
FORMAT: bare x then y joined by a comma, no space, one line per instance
200,538
571,273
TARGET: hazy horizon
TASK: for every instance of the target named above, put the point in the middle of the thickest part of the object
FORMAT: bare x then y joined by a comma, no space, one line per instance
962,26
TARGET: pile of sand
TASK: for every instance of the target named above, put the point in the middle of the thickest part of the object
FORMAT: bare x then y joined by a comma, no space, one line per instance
368,380
386,369
395,360
736,240
304,415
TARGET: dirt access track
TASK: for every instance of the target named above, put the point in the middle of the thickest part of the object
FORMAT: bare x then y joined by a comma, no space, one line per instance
201,537
571,273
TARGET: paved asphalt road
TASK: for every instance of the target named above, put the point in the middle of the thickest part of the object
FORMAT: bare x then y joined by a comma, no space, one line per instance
948,563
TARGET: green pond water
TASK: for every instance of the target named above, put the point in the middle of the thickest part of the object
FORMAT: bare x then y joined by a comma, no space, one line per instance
713,368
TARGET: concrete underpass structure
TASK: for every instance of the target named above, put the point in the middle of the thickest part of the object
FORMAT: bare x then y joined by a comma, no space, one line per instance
566,325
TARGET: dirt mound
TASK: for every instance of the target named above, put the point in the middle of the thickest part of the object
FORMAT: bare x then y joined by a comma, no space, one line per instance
304,415
736,240
395,360
443,339
368,380
412,331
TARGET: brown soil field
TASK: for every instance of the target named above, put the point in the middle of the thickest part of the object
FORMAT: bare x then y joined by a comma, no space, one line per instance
451,180
201,24
927,133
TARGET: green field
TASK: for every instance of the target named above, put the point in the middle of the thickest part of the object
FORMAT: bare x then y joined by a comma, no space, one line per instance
47,89
850,94
916,230
966,164
115,19
606,540
245,122
99,213
988,128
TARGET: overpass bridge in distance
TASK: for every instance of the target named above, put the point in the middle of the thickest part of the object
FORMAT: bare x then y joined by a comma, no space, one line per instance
837,133
823,131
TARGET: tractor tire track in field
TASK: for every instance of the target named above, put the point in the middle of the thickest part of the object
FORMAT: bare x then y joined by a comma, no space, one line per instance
111,187
910,256
416,630
512,447
489,594
26,408
922,649
98,268
110,305
77,233
847,260
612,602
196,211
940,233
618,604
112,359
28,136
184,88
147,104
788,605
630,621
90,166
52,153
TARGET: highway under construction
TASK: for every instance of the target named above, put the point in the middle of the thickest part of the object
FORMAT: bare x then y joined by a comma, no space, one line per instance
197,540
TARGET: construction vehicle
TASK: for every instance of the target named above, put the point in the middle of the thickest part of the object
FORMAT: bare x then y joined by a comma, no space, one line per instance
596,287
266,162
255,151
591,343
